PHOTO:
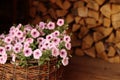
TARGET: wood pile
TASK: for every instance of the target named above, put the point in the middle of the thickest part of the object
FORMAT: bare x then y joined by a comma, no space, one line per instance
95,24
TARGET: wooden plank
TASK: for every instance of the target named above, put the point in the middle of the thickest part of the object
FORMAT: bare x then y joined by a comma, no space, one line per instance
87,68
79,52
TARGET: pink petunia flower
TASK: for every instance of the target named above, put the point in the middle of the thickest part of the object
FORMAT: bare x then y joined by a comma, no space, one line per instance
43,48
26,44
49,37
56,41
17,29
35,33
2,36
42,25
29,40
67,39
51,25
21,39
3,59
46,44
60,22
13,57
68,46
12,28
27,29
2,50
19,44
37,54
16,49
65,61
12,33
19,34
27,52
19,26
55,52
56,33
8,47
8,39
63,53
40,39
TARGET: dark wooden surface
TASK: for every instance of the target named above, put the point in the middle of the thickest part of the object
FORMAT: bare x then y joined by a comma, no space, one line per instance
86,68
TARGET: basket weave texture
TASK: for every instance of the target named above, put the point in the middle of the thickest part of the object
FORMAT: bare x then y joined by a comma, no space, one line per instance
48,71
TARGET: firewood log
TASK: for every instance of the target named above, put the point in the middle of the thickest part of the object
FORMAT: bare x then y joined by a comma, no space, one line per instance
106,10
91,52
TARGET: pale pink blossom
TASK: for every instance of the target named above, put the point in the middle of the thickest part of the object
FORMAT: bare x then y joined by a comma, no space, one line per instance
56,41
21,39
3,59
26,44
27,52
65,61
2,50
37,54
51,25
19,26
40,39
19,34
2,36
29,40
27,29
46,43
42,25
12,33
60,22
12,28
63,53
55,52
67,39
49,37
19,44
52,45
13,57
68,46
14,41
56,33
16,49
8,47
40,45
17,29
43,48
35,33
8,39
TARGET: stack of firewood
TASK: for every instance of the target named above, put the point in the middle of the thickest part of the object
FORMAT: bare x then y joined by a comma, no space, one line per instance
95,24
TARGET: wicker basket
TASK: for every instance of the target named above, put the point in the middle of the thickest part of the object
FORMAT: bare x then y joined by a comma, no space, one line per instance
47,71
